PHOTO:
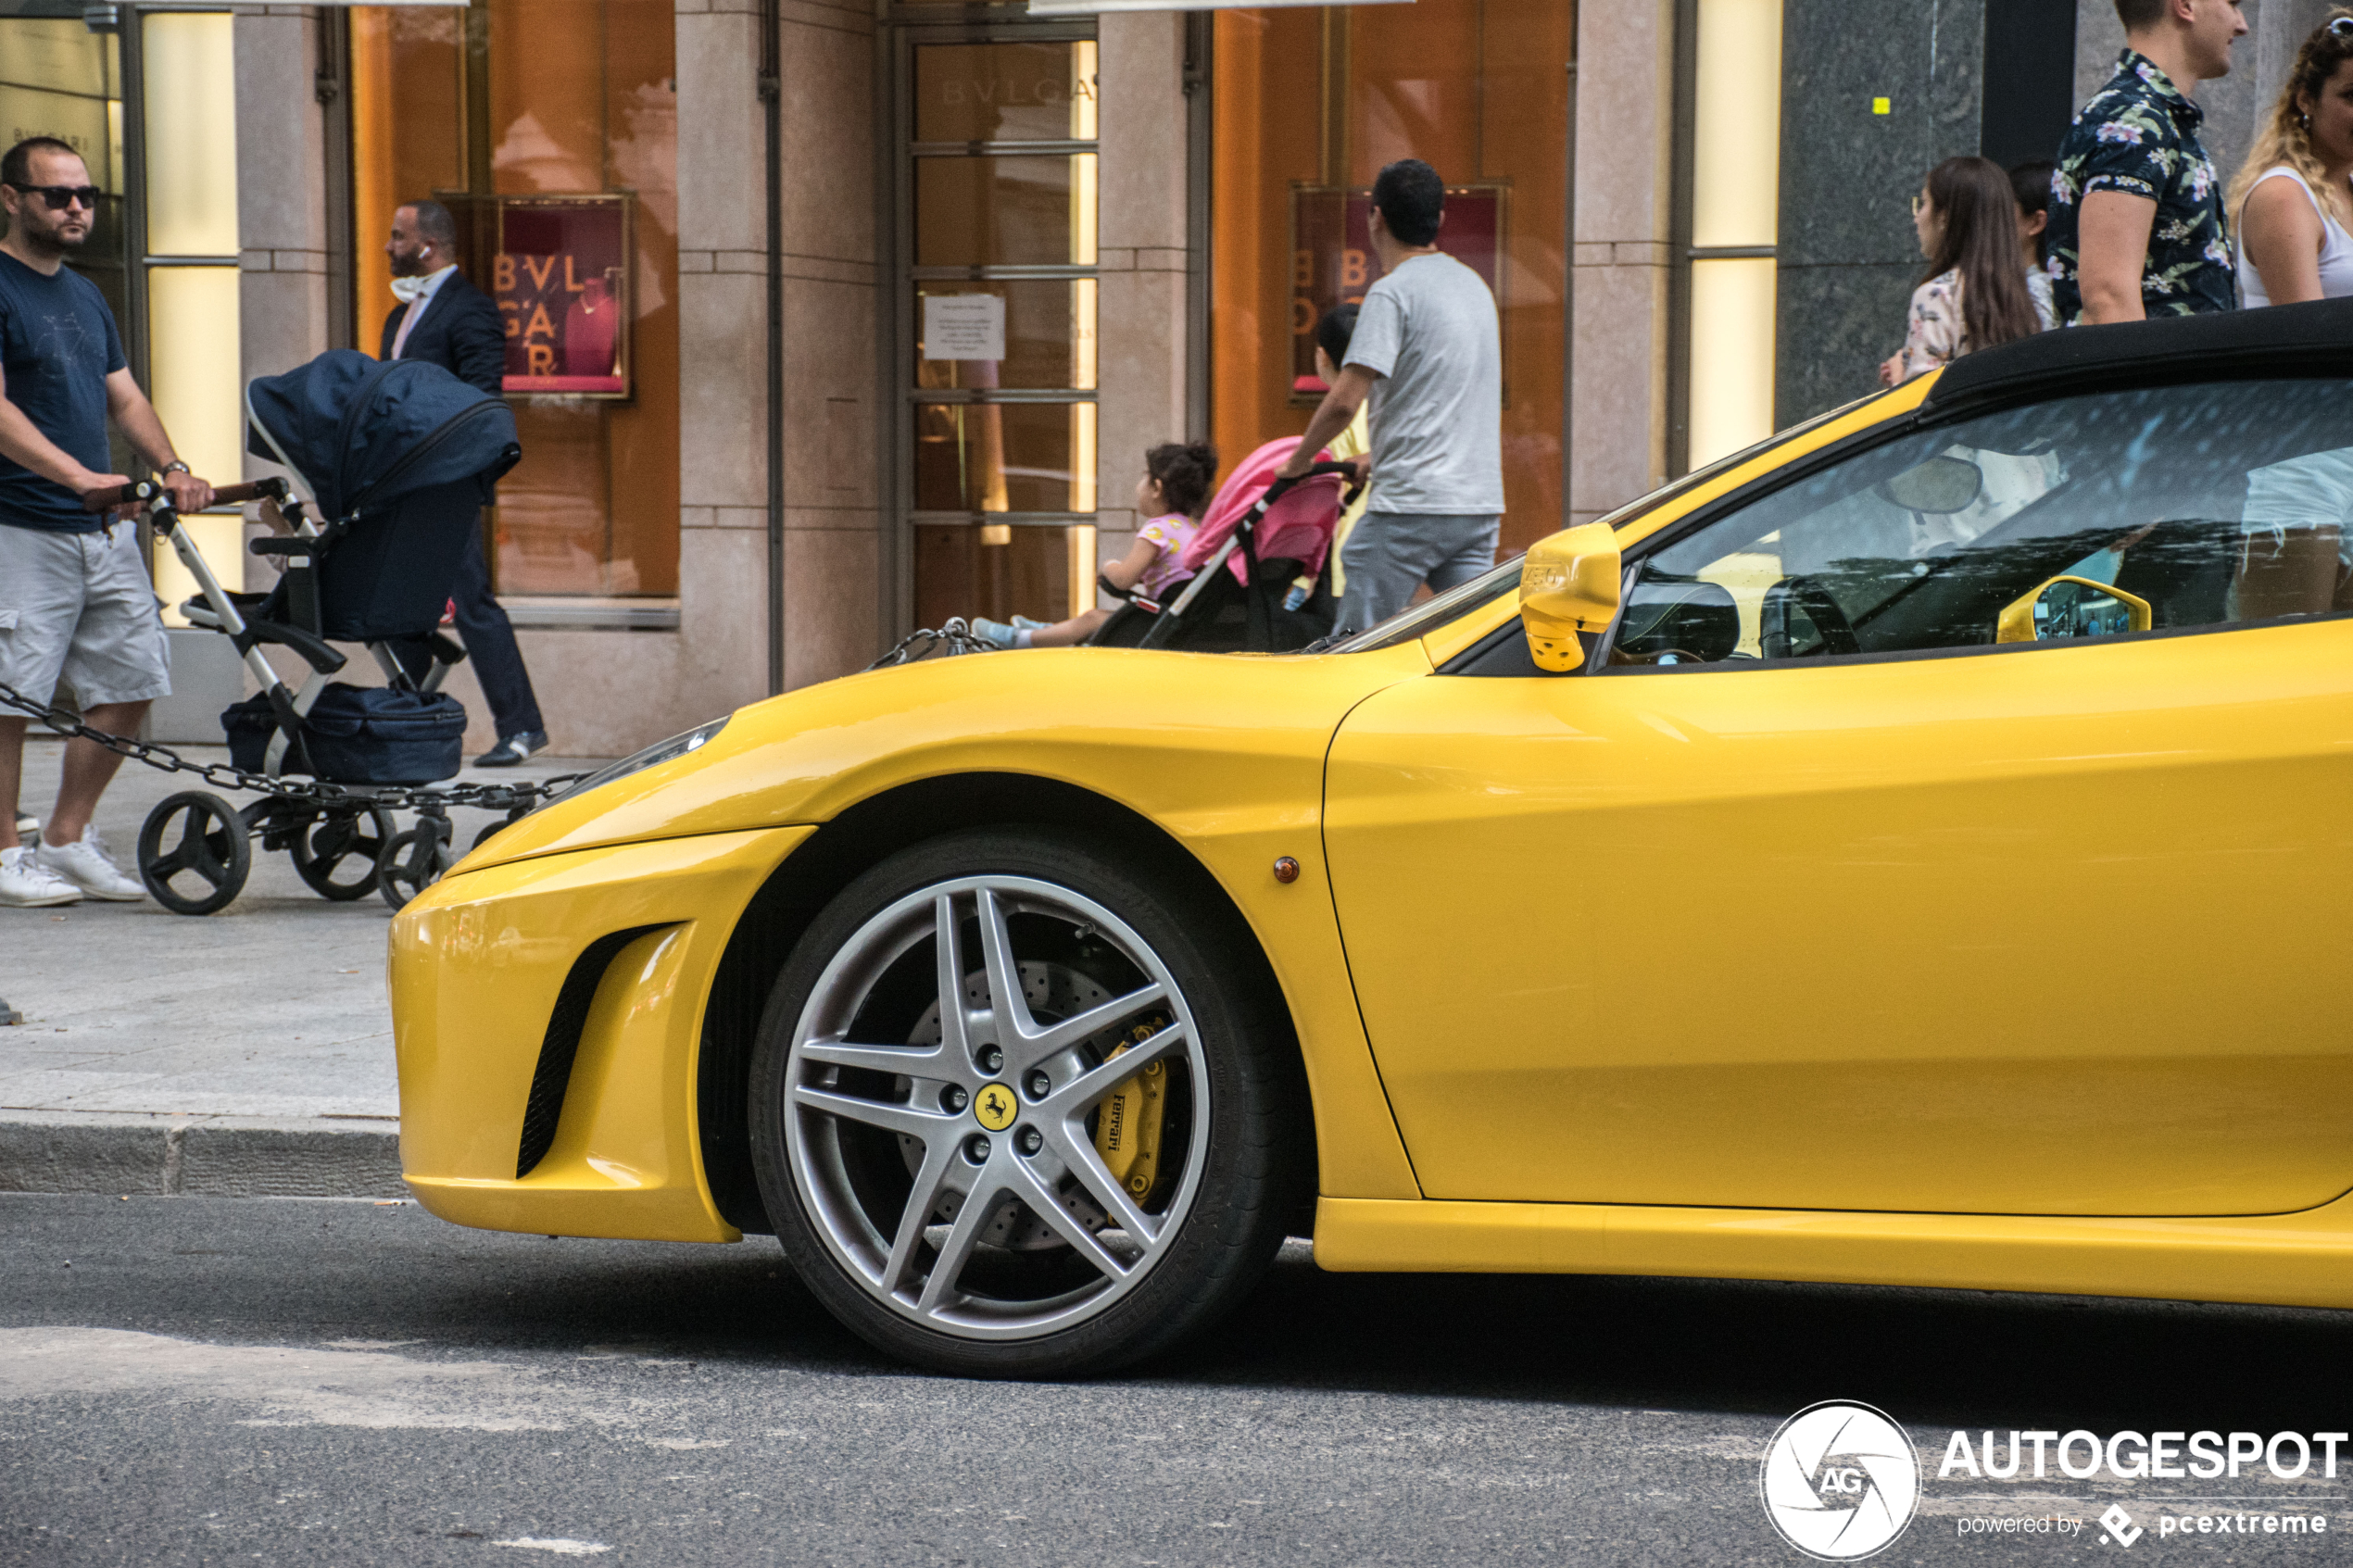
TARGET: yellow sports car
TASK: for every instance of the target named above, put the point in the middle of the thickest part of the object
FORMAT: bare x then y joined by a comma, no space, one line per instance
1916,850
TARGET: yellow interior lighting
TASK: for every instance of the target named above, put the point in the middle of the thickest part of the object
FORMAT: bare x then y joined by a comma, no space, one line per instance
1735,204
191,133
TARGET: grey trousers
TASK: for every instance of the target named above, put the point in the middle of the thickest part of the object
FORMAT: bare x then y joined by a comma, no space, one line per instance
1391,554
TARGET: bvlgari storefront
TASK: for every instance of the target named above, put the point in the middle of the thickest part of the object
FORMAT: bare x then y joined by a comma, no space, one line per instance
827,318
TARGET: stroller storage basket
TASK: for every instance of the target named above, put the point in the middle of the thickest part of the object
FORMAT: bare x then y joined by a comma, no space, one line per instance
359,736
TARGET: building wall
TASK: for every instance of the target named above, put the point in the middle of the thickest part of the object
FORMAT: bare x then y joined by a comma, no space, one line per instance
1849,256
606,692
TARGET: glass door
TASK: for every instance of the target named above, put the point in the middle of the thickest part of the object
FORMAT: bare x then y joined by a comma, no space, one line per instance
996,368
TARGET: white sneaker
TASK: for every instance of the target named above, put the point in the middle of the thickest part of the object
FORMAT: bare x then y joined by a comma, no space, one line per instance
87,865
27,884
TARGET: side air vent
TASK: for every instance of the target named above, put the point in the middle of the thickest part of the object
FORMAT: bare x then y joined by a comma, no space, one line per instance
552,1078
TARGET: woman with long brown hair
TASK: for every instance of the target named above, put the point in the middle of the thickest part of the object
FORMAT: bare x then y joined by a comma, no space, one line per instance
1976,293
2294,195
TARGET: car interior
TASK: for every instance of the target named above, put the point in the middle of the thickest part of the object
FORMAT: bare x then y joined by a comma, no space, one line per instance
2215,505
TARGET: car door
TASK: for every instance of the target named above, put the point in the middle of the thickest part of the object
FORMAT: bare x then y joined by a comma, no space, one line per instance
1817,895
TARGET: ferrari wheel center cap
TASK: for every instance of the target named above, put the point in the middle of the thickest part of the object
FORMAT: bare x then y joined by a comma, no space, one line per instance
995,1107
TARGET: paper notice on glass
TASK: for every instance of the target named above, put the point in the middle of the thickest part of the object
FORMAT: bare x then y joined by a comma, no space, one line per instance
964,326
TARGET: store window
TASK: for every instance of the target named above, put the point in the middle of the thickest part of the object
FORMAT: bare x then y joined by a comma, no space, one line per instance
999,177
1307,105
550,128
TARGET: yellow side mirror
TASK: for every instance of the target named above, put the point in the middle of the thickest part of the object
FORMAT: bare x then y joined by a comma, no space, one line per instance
2072,607
1569,583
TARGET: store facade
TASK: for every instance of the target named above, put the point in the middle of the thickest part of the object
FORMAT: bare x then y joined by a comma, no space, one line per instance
831,318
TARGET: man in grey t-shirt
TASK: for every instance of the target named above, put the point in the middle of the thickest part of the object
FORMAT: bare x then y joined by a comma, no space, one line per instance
1429,353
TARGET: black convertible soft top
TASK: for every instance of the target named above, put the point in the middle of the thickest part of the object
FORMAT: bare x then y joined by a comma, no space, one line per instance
2286,340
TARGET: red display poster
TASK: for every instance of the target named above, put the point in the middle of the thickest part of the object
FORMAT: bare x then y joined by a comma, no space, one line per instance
562,284
1333,261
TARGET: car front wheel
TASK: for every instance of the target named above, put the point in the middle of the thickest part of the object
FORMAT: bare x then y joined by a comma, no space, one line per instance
1019,1110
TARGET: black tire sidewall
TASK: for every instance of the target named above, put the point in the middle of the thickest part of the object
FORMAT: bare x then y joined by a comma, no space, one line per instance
1236,1222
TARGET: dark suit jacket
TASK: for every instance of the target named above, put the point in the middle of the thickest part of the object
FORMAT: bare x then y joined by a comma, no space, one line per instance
461,332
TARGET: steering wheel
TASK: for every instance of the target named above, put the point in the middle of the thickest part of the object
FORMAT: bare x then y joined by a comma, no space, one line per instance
1808,594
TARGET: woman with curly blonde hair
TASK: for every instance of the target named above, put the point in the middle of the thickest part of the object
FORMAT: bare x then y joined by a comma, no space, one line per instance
2294,195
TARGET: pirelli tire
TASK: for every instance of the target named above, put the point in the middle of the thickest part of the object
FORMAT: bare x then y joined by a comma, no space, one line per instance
942,1177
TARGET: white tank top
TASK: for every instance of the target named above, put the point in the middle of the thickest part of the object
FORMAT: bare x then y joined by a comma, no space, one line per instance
2337,250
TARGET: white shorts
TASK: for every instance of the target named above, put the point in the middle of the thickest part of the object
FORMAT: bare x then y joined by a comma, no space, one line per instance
77,609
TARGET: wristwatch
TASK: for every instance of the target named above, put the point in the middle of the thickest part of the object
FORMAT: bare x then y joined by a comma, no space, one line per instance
176,466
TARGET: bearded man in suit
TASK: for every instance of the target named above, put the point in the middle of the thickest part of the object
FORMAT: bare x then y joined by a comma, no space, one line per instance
445,320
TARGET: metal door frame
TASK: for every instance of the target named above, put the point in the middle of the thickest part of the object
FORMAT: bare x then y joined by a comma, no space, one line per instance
901,30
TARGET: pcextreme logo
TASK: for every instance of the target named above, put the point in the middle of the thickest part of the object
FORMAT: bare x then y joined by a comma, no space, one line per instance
1840,1481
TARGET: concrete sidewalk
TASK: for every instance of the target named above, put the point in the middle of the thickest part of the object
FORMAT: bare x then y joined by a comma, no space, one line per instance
245,1052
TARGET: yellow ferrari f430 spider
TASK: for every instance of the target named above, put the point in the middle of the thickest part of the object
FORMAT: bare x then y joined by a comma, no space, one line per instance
1916,850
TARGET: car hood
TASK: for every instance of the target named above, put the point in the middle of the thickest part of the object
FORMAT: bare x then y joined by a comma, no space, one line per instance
1160,733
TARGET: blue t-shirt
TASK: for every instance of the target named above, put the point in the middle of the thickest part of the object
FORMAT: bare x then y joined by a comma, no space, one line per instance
57,347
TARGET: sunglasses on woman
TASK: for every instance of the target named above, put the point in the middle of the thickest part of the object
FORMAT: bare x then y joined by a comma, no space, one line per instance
60,197
2340,27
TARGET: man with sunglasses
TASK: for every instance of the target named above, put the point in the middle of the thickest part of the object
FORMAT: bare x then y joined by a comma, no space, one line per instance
75,601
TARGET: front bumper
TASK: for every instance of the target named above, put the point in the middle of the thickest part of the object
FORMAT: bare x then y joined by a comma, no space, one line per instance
479,962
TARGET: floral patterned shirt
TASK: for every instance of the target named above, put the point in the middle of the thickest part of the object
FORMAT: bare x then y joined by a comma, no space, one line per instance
1936,334
2139,135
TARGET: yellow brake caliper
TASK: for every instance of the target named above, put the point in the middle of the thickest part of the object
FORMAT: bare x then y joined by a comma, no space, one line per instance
1128,1124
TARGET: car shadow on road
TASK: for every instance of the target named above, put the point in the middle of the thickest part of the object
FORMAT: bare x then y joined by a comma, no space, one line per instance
1954,1357
278,1272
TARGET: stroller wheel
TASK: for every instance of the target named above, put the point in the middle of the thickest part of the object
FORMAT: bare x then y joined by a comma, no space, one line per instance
412,860
337,854
193,853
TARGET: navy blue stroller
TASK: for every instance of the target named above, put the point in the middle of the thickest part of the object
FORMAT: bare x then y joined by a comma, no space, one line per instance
391,464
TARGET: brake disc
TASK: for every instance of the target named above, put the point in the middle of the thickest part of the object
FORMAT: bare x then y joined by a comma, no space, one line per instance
1052,991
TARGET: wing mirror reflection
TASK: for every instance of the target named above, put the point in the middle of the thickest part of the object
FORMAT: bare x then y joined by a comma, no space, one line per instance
2072,606
1568,583
1940,484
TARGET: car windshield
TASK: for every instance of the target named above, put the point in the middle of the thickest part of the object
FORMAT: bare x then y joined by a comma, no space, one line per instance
1464,597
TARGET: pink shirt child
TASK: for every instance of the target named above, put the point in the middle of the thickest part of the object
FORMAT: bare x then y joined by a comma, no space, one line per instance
1171,533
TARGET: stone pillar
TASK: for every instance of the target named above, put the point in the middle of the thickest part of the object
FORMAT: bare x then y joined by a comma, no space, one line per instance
833,518
1625,143
1140,311
723,395
282,195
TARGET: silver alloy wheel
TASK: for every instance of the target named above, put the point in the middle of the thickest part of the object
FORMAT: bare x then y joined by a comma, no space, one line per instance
929,1097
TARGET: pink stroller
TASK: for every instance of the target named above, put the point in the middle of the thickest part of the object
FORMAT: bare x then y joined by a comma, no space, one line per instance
1262,535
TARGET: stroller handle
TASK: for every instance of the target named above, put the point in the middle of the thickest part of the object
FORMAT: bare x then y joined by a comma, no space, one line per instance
1282,488
272,489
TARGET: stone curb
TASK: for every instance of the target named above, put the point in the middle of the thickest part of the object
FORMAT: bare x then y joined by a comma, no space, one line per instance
60,1151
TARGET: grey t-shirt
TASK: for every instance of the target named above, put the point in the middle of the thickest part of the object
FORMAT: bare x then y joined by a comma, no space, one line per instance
1429,332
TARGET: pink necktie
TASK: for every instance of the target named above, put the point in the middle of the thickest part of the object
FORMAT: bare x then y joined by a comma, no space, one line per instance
408,320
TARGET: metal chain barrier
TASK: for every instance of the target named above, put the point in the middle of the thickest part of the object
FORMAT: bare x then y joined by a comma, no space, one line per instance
946,641
222,775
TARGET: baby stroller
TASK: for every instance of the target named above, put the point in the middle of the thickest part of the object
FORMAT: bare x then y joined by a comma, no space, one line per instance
396,460
1262,535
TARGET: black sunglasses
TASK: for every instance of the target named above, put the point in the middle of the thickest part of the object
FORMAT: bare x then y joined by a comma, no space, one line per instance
2341,26
60,196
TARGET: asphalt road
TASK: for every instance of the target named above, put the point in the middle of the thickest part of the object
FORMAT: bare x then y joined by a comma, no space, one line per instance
191,1380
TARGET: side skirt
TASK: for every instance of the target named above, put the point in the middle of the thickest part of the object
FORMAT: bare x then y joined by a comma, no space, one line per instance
2304,1259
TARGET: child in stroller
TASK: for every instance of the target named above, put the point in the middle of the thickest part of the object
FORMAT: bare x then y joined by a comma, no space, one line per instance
1174,485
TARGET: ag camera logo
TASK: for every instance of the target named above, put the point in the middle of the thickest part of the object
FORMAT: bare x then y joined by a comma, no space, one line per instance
1840,1481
